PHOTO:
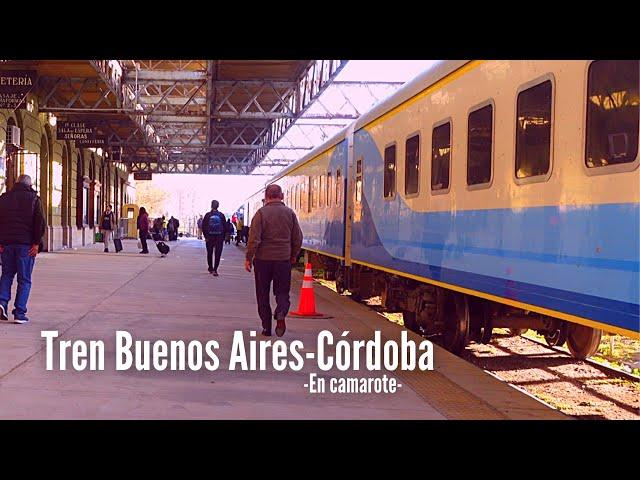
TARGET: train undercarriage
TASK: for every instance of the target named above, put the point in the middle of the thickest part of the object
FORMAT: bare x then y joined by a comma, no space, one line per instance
453,318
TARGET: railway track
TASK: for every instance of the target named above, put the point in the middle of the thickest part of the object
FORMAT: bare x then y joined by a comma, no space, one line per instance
584,389
601,366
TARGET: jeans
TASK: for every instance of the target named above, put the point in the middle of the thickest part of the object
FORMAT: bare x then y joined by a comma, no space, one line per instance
143,240
106,236
278,272
214,242
16,259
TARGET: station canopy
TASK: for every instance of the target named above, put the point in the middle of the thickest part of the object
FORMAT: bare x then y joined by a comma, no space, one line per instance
201,116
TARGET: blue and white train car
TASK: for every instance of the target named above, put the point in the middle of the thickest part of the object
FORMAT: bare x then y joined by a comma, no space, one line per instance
487,194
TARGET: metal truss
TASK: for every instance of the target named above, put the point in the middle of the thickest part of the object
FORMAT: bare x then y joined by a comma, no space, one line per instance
234,122
349,98
203,167
182,118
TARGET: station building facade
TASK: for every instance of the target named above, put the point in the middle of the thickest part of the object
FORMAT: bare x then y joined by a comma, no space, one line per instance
75,184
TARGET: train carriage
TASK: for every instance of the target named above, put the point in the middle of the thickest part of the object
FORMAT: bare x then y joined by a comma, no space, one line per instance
487,194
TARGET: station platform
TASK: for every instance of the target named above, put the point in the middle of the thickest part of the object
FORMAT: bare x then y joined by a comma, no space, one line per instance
87,294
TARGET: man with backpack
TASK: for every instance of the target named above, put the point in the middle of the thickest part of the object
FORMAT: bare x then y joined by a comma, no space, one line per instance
214,226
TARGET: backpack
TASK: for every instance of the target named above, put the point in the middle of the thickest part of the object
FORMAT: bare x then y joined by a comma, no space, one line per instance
215,224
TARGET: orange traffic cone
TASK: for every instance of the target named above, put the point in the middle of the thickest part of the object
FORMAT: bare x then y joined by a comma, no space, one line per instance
307,305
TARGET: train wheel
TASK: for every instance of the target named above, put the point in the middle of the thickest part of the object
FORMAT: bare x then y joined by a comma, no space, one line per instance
583,341
557,337
487,326
456,323
410,322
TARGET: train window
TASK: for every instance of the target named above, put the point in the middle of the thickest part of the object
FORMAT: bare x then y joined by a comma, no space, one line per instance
479,145
338,187
329,187
359,180
389,171
314,193
613,107
308,195
440,157
321,191
412,165
533,131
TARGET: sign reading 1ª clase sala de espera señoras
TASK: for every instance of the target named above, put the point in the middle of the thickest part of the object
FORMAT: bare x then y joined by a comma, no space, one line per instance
83,133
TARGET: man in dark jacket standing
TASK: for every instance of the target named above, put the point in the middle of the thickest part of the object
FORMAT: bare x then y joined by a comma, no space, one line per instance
275,239
22,225
214,227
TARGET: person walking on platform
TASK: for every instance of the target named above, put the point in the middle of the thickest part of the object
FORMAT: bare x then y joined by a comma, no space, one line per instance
239,226
107,225
228,232
143,227
214,226
245,234
200,228
157,229
22,226
275,239
172,228
164,229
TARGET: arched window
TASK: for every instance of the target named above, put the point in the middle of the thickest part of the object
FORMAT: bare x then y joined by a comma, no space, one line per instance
82,194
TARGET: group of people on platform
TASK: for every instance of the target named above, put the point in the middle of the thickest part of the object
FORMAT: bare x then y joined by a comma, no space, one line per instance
273,242
164,229
158,230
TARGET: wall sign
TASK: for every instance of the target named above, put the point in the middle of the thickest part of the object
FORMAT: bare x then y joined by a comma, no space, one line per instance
100,141
78,131
14,86
142,175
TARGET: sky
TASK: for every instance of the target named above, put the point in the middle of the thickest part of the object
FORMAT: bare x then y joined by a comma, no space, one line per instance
232,190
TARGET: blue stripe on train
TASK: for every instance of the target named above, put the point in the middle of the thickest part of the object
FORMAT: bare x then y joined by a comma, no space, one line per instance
626,265
618,313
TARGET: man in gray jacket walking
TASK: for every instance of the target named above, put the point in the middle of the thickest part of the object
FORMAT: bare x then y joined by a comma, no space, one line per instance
275,239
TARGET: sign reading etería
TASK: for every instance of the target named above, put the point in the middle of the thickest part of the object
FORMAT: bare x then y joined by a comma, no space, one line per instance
14,86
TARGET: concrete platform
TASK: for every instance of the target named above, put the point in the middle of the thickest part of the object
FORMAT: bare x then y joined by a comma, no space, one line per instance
87,294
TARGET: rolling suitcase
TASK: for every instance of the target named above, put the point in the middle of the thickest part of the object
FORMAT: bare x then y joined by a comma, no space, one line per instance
118,244
163,248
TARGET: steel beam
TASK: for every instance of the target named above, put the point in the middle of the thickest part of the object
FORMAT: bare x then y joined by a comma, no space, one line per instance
172,75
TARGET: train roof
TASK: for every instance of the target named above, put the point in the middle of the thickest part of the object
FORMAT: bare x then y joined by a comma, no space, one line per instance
413,87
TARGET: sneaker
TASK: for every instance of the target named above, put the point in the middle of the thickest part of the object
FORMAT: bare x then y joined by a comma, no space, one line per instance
20,319
210,270
106,250
266,332
215,273
281,327
3,312
144,252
